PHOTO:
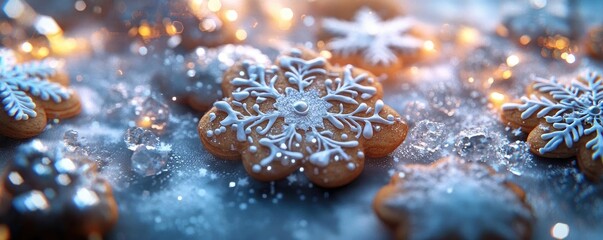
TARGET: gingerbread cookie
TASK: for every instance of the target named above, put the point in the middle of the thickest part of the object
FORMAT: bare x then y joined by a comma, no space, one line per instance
594,42
369,42
563,120
196,78
346,9
45,195
31,93
301,114
451,199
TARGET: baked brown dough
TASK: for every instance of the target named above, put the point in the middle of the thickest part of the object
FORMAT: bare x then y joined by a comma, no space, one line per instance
561,120
31,93
453,199
301,114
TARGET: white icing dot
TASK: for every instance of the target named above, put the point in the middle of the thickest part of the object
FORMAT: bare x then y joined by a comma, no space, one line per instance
256,168
217,131
351,166
297,145
212,117
222,129
253,149
344,136
269,168
390,117
301,169
283,146
279,154
360,154
210,133
378,128
336,158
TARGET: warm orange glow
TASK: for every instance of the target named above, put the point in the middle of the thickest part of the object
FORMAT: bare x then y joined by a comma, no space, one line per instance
26,47
241,34
497,99
144,30
326,54
286,14
525,40
468,35
429,46
507,74
145,122
561,43
231,15
512,61
42,52
214,5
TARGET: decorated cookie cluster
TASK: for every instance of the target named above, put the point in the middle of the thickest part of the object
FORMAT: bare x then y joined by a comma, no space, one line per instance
563,120
301,114
29,97
456,200
42,190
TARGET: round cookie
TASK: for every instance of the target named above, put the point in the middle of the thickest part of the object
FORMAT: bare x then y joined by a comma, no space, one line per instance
381,46
563,120
451,199
301,114
44,194
31,93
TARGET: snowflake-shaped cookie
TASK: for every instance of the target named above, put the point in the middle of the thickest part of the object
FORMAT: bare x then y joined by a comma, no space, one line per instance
26,93
376,40
452,199
563,121
45,194
301,114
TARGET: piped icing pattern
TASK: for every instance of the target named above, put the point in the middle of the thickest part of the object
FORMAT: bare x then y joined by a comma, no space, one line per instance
19,81
575,111
302,110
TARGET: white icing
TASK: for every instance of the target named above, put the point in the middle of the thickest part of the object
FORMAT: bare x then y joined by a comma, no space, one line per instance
574,112
375,39
303,110
19,81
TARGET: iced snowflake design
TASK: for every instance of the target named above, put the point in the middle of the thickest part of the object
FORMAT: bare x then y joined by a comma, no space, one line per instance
574,111
19,80
374,38
302,109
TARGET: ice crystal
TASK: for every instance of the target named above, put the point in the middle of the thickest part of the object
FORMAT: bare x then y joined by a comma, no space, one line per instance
19,81
374,38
